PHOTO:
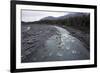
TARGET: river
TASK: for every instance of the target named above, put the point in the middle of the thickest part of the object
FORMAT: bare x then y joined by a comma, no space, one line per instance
60,46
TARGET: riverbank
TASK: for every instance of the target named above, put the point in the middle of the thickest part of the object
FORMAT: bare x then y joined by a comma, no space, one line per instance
82,34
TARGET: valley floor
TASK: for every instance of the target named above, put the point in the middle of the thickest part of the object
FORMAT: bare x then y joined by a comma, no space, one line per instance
40,43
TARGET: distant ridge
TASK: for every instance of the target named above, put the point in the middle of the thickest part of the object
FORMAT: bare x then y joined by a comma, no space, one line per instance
72,19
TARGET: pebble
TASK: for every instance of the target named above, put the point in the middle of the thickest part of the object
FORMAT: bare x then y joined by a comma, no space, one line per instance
59,54
74,51
28,28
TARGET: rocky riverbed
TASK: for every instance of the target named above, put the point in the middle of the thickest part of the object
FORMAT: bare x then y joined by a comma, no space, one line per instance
40,43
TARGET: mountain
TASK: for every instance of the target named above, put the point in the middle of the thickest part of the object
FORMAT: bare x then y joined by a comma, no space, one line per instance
72,19
71,15
49,18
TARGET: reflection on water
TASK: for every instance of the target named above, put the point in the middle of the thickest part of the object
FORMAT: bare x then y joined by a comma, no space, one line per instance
66,46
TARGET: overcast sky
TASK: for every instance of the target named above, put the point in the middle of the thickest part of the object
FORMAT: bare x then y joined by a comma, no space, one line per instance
29,15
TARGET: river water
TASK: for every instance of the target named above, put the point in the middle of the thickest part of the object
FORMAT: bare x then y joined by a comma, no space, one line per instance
64,46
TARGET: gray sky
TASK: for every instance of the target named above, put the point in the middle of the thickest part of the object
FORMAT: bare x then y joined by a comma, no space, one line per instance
29,15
